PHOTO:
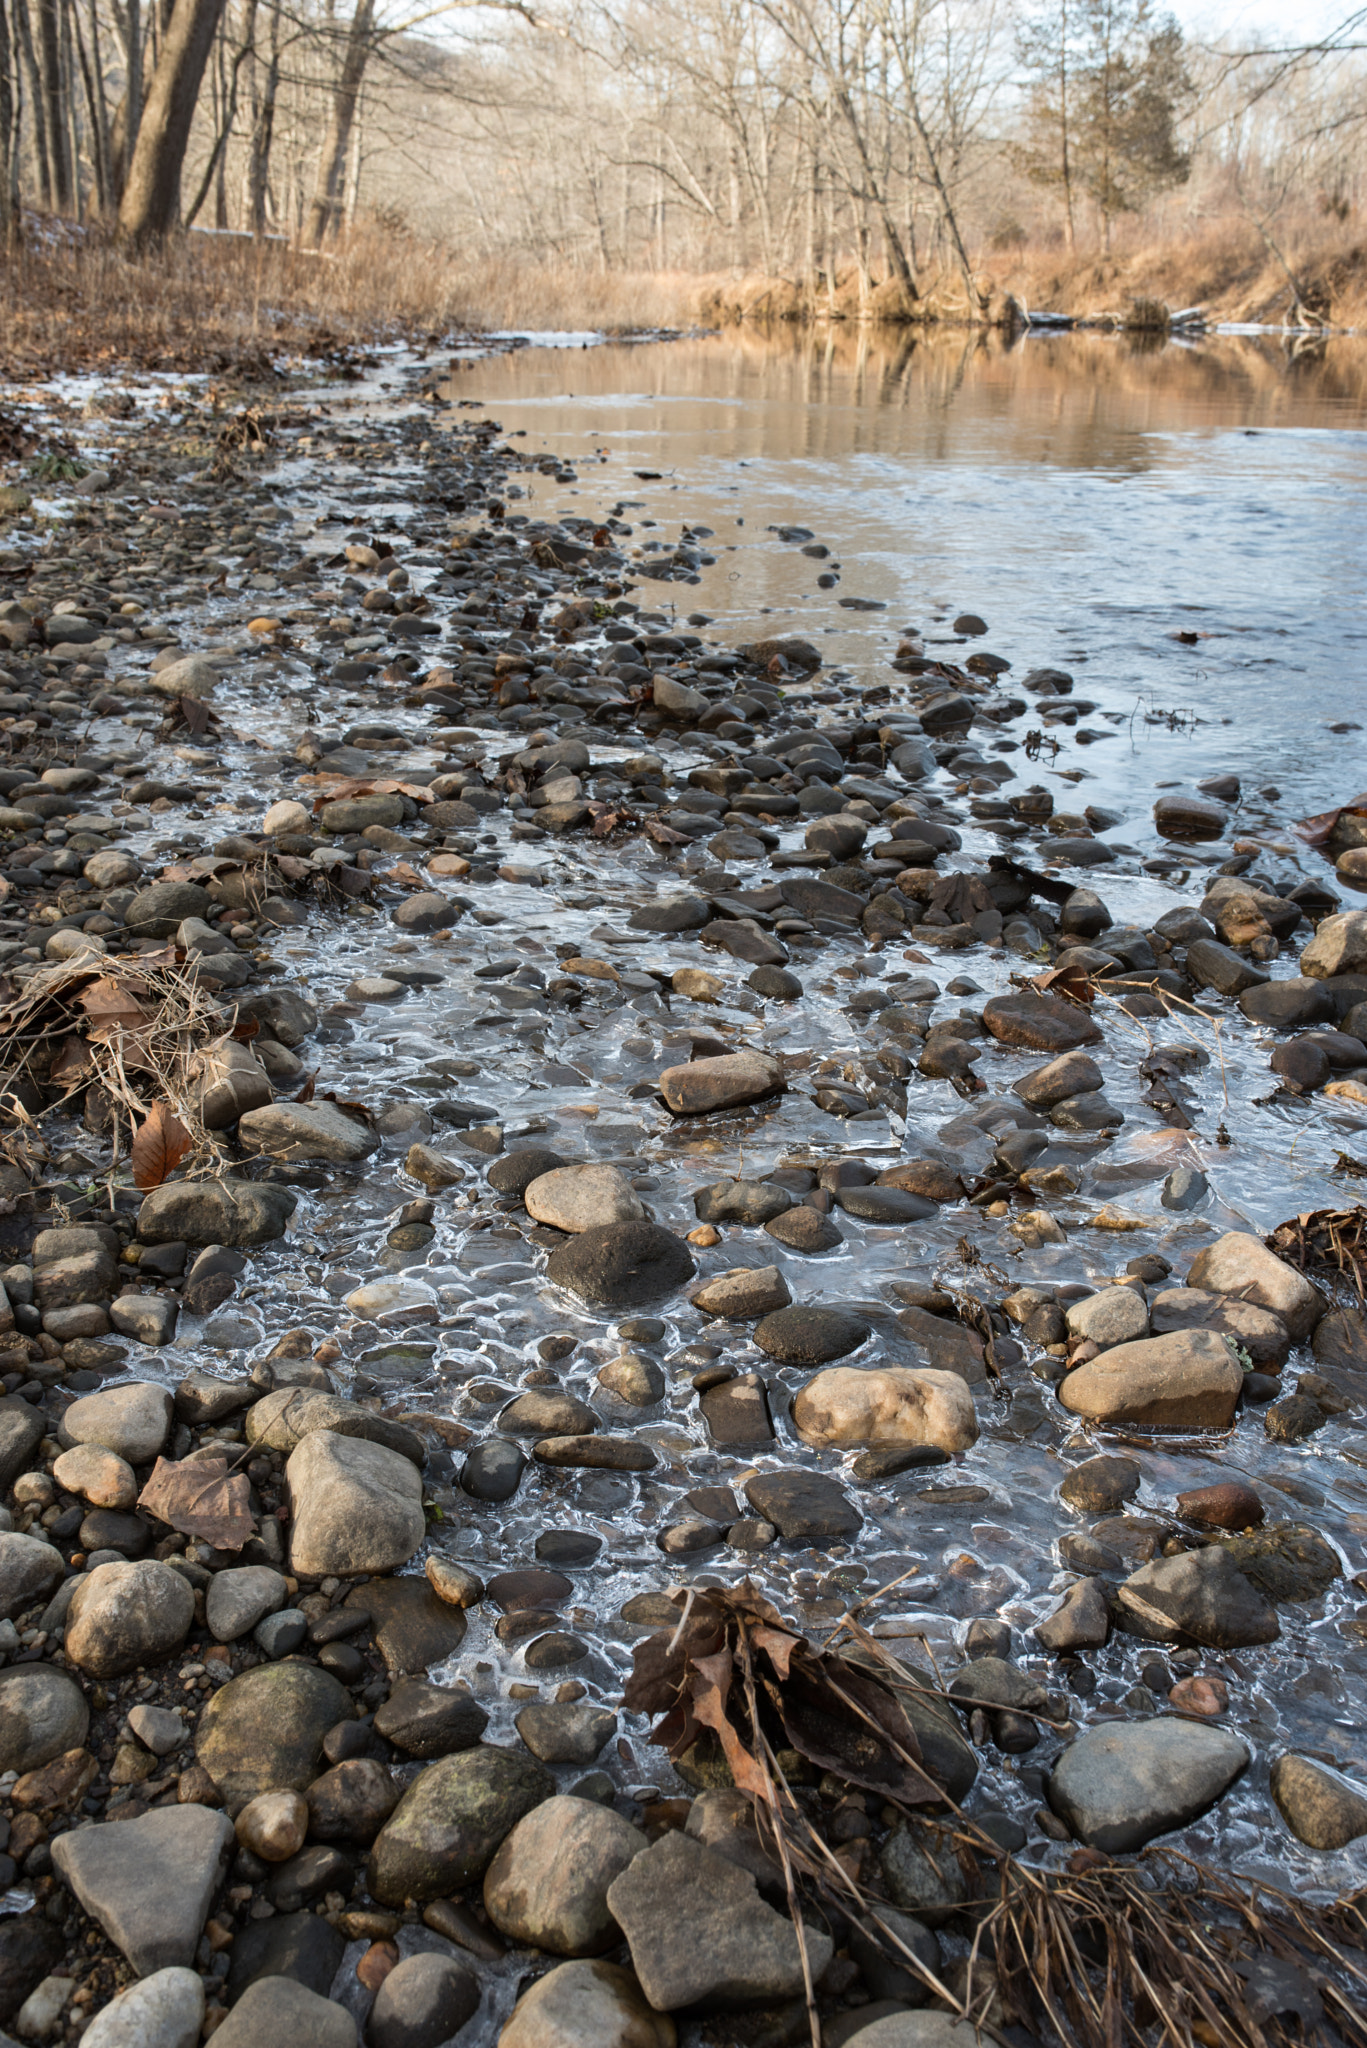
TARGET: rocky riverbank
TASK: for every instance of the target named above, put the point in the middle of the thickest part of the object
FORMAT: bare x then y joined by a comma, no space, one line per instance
514,1105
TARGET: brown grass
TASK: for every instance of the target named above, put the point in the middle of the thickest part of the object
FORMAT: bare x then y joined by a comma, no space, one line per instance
71,299
1225,267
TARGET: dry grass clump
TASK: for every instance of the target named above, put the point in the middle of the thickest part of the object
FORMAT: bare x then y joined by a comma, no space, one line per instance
128,1038
1159,1951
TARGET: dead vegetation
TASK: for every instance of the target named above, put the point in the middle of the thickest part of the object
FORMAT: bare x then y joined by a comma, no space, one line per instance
234,306
1329,1244
129,1040
1157,1951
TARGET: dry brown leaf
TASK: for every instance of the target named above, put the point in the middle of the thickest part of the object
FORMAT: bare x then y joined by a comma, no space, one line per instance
111,1005
357,1111
74,1058
336,788
403,871
160,1145
200,1498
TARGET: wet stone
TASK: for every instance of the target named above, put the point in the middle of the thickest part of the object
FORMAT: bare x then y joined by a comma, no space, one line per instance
413,1627
1120,1785
623,1265
1101,1484
805,1507
1319,1805
810,1335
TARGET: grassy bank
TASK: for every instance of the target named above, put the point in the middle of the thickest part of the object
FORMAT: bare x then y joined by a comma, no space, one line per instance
72,300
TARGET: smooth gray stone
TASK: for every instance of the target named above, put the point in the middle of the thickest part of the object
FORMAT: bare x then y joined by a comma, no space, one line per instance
1121,1784
149,1882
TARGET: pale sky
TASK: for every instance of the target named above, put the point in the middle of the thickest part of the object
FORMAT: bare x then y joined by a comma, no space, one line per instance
1280,21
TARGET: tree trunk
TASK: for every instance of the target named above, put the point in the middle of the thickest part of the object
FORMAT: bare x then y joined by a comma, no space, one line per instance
263,130
151,200
35,94
128,113
325,209
93,85
214,169
8,212
50,62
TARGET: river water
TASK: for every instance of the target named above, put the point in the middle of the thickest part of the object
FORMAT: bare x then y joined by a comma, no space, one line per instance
1090,502
1089,499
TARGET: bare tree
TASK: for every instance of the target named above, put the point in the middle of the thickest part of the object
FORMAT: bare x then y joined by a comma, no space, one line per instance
325,209
151,200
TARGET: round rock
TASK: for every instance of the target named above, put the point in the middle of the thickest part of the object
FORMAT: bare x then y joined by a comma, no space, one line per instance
123,1615
131,1421
43,1714
810,1335
166,2010
622,1265
422,2002
547,1886
884,1407
263,1732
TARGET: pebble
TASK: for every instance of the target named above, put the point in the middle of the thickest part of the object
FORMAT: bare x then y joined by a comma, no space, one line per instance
273,1825
656,1068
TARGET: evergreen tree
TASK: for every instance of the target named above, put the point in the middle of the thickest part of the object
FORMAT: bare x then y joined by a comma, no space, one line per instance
1107,83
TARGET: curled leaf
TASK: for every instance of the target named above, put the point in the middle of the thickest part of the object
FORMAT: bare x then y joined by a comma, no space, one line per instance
160,1145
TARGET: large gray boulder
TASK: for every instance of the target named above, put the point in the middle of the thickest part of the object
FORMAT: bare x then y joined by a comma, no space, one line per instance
700,1934
1124,1782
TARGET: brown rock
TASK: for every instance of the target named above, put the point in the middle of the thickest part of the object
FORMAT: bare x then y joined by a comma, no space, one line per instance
1044,1023
1228,1506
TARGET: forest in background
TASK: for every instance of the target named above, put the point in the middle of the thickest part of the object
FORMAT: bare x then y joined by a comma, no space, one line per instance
632,163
